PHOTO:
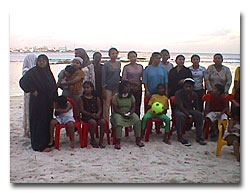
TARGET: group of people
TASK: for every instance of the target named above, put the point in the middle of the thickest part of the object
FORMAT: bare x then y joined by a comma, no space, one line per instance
96,89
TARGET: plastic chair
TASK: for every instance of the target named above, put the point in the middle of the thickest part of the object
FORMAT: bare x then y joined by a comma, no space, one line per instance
113,133
86,132
222,125
158,122
77,125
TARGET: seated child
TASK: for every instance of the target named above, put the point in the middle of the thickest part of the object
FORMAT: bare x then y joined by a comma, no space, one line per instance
161,98
64,115
90,108
124,115
232,134
216,108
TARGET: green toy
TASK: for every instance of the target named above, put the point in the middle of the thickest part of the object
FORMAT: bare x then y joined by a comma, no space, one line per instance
157,108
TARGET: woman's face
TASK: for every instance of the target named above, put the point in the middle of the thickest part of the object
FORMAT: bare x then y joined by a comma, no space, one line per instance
217,59
165,56
42,62
180,61
97,59
157,59
195,60
76,64
113,55
132,58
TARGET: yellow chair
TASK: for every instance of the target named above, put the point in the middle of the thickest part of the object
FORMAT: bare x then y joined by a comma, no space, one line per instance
222,125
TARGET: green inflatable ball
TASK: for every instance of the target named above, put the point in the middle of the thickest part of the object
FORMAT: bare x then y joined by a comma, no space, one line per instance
157,108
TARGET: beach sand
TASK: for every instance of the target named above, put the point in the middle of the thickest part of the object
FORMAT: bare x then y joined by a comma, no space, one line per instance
154,163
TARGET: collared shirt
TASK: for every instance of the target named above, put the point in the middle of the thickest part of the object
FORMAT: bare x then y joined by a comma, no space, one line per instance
189,103
198,76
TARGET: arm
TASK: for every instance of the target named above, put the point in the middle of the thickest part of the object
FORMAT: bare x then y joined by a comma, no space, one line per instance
124,73
60,111
72,82
99,105
230,127
207,79
229,80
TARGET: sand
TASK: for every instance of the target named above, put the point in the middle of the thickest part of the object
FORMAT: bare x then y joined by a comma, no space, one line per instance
154,163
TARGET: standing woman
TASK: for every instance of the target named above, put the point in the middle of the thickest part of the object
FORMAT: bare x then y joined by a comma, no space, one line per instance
98,67
110,80
177,75
218,74
198,73
28,63
133,72
41,84
155,74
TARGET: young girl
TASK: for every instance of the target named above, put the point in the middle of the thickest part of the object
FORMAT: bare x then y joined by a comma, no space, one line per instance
64,115
216,108
232,135
133,73
91,112
162,98
164,60
124,114
198,73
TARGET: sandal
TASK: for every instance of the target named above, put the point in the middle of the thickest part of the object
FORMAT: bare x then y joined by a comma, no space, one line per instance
52,144
118,146
140,144
94,145
101,145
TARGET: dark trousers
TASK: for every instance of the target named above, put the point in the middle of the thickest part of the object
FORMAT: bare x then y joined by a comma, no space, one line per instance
138,96
200,94
198,122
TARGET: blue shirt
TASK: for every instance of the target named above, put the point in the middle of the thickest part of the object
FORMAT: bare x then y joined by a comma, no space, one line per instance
198,76
154,75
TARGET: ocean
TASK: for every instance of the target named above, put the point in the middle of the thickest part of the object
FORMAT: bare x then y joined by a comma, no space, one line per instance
16,63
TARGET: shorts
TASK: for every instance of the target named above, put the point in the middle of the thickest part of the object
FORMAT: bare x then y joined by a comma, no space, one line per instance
213,116
64,119
231,138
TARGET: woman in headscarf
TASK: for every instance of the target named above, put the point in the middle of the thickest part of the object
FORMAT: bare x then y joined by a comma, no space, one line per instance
40,83
28,63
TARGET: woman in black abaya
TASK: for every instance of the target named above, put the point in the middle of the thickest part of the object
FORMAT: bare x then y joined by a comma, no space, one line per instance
40,82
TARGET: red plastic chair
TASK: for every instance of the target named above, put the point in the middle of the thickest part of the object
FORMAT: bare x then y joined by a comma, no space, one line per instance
207,124
77,125
113,133
86,132
187,122
157,122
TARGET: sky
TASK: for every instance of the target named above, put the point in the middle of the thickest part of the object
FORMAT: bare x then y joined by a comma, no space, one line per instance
190,26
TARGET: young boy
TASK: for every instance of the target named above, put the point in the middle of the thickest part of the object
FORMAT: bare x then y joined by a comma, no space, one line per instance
64,115
232,135
161,98
216,108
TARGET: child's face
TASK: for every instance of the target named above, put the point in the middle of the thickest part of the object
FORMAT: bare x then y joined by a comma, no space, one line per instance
161,90
97,59
76,64
195,60
180,61
126,89
87,89
132,58
157,59
113,55
218,59
216,91
67,74
165,56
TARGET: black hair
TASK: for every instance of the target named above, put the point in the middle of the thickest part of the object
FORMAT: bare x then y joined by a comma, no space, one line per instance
91,85
154,54
179,56
195,55
62,101
165,50
220,88
236,111
70,69
122,84
96,53
218,54
112,49
132,52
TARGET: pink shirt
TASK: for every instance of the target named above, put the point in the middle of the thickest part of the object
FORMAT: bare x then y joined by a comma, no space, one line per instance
130,73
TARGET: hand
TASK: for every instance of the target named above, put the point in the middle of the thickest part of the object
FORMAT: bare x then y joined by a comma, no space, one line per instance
98,116
35,93
181,81
219,116
148,94
190,116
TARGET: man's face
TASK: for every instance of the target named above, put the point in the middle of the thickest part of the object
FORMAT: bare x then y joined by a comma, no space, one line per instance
188,87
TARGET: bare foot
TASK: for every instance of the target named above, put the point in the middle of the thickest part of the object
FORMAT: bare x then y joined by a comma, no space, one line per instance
167,141
73,144
47,149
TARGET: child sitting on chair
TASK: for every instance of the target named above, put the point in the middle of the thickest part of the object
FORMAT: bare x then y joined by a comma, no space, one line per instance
216,107
232,134
64,115
163,99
